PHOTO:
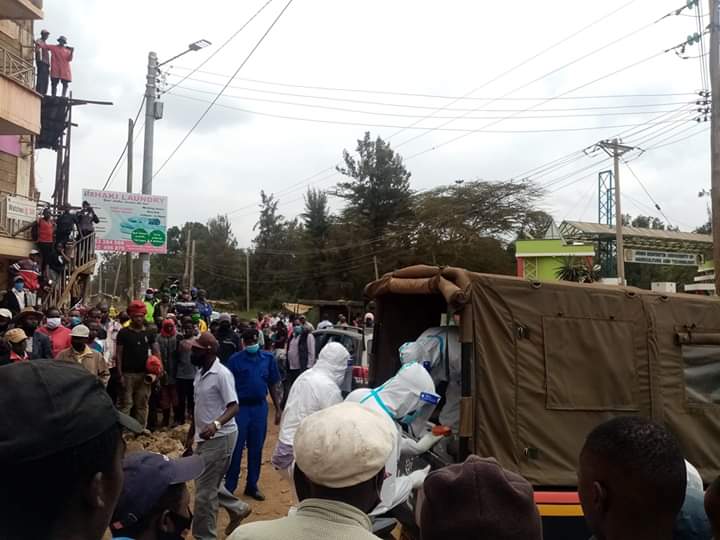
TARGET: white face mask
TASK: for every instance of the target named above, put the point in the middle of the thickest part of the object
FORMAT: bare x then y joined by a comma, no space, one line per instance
53,323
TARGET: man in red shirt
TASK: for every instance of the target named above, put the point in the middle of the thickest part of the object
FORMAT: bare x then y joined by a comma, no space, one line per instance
45,228
59,335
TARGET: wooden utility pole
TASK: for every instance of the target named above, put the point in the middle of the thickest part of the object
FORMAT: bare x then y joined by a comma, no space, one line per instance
129,187
192,265
615,150
117,277
188,244
714,60
247,280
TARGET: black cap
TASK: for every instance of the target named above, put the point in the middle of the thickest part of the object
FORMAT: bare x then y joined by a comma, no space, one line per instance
147,477
52,406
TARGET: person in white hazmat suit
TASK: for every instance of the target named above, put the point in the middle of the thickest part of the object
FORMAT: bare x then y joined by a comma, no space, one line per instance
439,350
316,389
406,397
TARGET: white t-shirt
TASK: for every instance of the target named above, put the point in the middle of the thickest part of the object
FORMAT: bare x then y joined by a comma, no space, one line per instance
214,390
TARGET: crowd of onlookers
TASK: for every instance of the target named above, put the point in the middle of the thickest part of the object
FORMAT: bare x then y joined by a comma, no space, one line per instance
74,381
64,476
32,278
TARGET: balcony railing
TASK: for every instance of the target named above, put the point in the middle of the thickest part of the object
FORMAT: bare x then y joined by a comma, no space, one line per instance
17,68
81,254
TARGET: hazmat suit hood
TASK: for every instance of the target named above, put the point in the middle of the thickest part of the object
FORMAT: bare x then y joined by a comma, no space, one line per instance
333,359
400,395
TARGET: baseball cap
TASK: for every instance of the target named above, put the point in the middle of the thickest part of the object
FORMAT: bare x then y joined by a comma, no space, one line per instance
15,335
34,252
343,445
5,313
206,341
224,317
55,406
147,477
80,331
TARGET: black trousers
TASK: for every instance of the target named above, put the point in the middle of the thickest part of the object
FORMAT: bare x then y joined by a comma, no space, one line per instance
186,400
43,76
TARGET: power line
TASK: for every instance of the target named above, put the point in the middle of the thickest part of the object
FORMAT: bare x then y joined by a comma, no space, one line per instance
410,94
217,97
699,132
439,128
613,110
222,46
124,151
642,185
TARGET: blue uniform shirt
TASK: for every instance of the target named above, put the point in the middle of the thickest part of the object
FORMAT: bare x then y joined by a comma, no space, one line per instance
254,374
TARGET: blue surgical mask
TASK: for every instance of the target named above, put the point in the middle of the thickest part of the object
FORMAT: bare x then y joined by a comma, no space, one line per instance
253,349
19,286
298,330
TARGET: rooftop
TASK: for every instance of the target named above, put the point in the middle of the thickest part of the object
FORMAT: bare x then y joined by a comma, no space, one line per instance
635,237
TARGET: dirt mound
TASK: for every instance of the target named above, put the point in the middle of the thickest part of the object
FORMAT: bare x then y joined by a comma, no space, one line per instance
168,442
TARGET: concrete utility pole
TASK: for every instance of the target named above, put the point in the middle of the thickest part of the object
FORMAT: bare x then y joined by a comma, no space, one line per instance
375,264
615,150
153,111
129,187
714,60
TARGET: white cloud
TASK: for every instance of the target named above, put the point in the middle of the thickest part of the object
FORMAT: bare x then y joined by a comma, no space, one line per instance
445,48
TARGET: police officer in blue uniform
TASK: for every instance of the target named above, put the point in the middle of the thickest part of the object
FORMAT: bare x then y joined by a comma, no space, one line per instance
255,373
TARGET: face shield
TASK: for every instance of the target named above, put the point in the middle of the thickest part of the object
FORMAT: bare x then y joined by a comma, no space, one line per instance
417,419
401,395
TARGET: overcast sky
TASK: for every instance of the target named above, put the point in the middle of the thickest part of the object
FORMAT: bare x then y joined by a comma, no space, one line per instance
442,50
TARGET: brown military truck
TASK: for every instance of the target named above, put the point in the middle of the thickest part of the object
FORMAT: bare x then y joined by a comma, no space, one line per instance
542,363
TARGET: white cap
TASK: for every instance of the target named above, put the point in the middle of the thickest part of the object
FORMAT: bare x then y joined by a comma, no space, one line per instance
343,445
81,331
6,313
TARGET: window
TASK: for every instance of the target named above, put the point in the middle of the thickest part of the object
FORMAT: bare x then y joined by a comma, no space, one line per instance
590,364
702,373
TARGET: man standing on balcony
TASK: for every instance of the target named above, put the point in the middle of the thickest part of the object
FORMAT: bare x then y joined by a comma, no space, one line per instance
42,59
86,220
60,65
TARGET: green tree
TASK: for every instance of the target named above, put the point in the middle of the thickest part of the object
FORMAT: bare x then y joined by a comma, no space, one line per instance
316,217
378,190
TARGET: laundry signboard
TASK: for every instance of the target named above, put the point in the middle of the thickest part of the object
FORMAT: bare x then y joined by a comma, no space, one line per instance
129,222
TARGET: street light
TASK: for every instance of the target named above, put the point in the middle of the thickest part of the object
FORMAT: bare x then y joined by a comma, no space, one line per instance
153,111
194,46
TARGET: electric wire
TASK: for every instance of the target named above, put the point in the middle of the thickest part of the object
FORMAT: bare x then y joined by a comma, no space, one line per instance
222,46
124,151
220,93
611,111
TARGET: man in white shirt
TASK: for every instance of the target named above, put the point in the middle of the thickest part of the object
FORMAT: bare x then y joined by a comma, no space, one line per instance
215,432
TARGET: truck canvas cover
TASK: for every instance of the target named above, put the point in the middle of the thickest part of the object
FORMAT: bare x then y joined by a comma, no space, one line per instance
552,360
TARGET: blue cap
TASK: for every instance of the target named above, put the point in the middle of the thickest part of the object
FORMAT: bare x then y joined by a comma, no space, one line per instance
147,477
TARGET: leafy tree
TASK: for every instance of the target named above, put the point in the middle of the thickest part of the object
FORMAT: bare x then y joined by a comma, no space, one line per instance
316,217
378,190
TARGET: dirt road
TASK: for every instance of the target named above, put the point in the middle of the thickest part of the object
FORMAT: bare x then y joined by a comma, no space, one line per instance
276,491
